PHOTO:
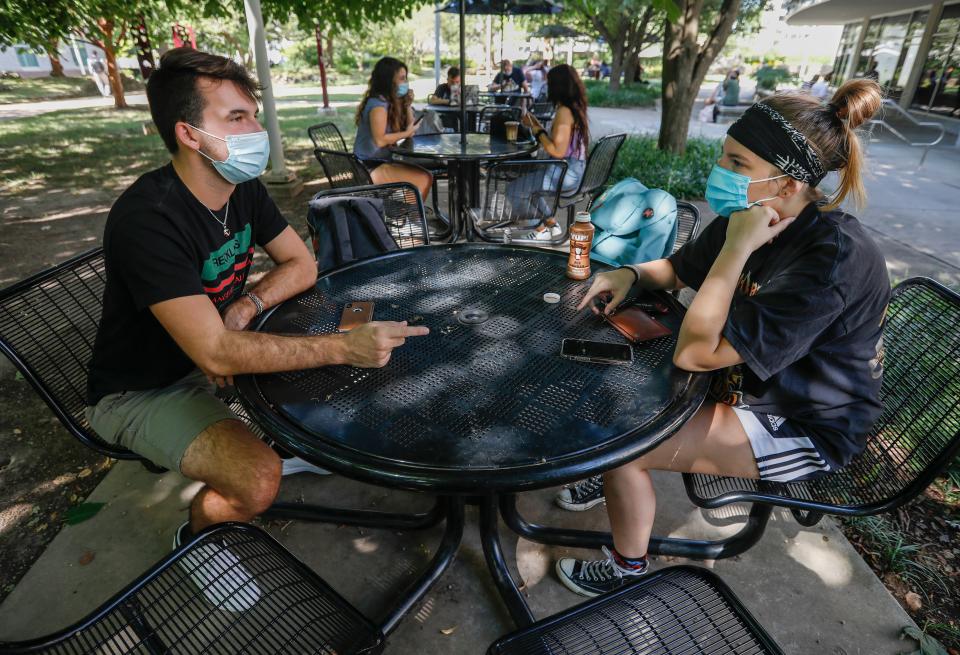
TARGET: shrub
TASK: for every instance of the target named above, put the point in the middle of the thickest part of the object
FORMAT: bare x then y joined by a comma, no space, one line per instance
684,176
635,95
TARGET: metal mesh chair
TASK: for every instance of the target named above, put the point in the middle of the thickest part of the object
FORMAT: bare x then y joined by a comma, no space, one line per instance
48,324
916,437
183,605
327,136
688,221
681,609
501,112
402,210
342,169
544,112
518,195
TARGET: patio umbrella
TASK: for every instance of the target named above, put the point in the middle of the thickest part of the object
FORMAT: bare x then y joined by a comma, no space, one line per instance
497,8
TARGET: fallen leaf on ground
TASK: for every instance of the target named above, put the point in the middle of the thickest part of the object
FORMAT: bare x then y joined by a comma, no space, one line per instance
84,473
928,645
913,601
448,631
86,558
82,512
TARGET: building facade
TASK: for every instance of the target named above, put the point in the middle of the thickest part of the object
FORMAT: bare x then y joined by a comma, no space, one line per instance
911,48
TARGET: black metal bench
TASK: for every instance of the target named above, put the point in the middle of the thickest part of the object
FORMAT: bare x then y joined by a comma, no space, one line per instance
167,610
681,609
48,324
915,439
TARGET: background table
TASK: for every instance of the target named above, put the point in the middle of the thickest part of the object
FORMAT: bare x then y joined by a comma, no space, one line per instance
477,409
463,162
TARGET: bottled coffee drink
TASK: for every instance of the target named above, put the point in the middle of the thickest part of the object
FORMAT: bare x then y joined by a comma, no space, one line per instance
581,238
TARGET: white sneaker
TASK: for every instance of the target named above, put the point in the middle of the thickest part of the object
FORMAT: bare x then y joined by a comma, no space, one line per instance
224,581
296,465
541,235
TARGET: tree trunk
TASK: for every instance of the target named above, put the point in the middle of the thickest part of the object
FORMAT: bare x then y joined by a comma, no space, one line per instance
113,72
323,69
616,65
635,44
685,65
53,53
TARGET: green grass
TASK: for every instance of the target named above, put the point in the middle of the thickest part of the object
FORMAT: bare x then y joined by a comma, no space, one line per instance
103,148
891,551
635,95
45,88
684,176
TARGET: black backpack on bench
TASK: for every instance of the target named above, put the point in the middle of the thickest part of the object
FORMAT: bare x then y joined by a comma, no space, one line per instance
346,228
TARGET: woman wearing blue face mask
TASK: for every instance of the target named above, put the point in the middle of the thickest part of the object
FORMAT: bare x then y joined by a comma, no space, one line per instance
791,298
385,117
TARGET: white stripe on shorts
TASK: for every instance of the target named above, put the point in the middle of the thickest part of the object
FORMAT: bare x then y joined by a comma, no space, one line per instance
780,459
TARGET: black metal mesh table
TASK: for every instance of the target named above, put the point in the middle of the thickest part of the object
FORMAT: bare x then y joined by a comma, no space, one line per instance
462,154
475,406
484,405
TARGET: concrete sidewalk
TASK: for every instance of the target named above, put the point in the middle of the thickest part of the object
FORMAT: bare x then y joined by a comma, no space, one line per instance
807,586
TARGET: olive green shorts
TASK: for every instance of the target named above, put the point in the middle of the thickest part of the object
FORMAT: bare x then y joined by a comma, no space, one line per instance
160,424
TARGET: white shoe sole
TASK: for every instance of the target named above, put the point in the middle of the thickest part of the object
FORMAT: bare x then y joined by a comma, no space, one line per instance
578,507
224,581
569,584
296,465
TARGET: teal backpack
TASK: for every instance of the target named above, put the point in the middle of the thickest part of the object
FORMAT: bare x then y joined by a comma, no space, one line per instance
634,224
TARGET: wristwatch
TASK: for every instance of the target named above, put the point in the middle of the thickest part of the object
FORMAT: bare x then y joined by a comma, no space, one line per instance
255,300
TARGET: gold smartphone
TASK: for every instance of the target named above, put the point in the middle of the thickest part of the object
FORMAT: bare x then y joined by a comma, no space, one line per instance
355,314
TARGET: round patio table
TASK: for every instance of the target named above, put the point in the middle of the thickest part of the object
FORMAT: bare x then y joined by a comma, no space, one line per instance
482,407
463,160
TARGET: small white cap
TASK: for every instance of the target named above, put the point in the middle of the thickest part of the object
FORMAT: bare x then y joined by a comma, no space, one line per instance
551,297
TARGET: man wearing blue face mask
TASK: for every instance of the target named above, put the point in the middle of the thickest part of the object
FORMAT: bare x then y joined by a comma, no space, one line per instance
792,293
179,245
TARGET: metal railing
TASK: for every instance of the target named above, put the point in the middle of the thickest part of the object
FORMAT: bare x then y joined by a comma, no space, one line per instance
890,105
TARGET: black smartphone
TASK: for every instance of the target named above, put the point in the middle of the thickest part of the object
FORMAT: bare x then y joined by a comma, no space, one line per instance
598,352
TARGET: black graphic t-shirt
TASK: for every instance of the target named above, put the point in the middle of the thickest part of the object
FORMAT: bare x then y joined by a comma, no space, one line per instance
806,318
161,243
443,91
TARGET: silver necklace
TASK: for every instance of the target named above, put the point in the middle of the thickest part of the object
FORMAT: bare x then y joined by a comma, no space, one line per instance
223,223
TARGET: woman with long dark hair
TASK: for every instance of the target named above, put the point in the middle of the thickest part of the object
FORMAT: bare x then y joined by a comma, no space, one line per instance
385,117
569,136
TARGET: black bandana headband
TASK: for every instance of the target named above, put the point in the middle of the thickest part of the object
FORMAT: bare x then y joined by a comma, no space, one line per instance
764,131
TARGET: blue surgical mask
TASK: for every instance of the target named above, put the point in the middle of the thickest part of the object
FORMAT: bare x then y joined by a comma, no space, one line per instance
402,89
727,191
247,156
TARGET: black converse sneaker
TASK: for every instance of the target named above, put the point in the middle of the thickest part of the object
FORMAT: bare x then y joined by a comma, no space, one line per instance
592,578
582,495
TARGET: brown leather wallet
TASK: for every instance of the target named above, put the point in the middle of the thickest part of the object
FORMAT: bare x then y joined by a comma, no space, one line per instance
636,325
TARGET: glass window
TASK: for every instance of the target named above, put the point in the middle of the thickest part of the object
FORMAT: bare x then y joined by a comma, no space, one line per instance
27,59
937,91
908,54
848,41
866,67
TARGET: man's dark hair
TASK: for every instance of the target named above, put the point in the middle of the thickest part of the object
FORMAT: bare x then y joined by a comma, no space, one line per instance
172,88
453,72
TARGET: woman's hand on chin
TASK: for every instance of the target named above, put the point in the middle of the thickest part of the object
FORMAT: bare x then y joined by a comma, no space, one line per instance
751,228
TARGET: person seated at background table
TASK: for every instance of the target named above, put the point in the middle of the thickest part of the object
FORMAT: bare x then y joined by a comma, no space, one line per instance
568,139
536,76
384,118
509,79
447,93
178,246
792,294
